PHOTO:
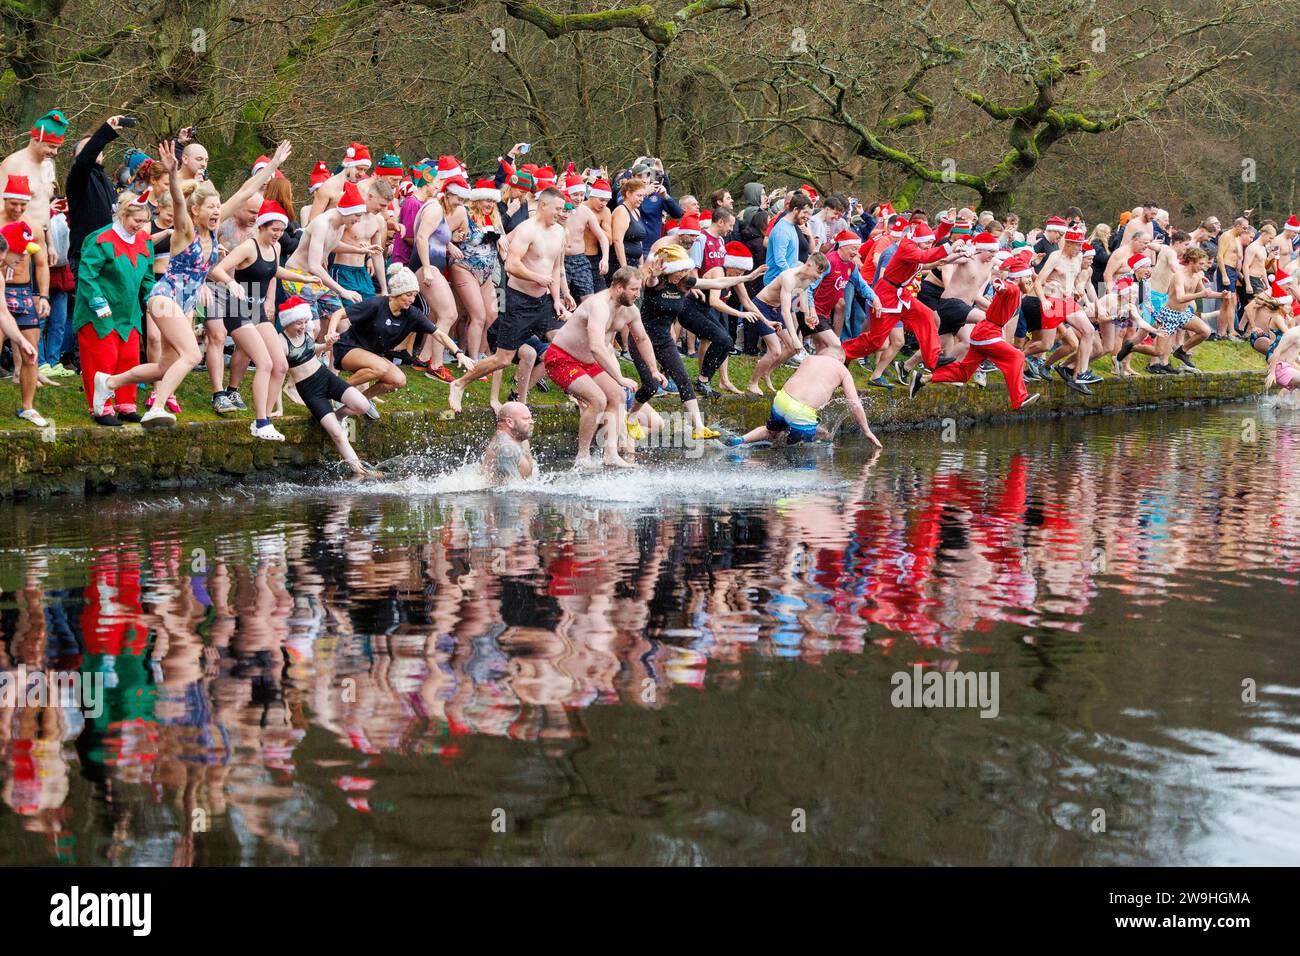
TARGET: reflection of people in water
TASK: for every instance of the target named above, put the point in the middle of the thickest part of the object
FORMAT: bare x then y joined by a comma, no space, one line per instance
508,456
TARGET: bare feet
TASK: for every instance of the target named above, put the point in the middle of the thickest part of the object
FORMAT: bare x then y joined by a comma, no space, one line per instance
586,463
618,463
755,388
728,387
454,392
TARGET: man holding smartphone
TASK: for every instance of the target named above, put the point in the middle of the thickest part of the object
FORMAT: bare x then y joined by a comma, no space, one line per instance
90,190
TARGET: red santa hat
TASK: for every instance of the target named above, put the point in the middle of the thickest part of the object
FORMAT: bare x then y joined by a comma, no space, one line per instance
690,225
485,189
141,199
1281,294
1138,261
1123,283
294,309
1056,223
897,227
319,173
670,227
1001,256
259,164
1019,266
600,190
545,177
921,233
1292,224
449,166
351,203
271,211
1074,234
706,217
985,242
738,256
457,186
357,154
18,188
18,237
574,185
847,239
886,210
1089,252
812,193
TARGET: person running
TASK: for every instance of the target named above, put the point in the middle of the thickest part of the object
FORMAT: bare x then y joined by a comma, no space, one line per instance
1057,287
246,274
536,291
894,296
376,327
434,249
508,456
174,298
988,339
1177,311
472,277
796,406
671,278
318,387
775,304
581,361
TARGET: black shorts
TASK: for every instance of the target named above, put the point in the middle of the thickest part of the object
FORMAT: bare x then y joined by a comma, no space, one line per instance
524,315
824,324
318,389
599,282
1031,308
577,270
952,315
930,294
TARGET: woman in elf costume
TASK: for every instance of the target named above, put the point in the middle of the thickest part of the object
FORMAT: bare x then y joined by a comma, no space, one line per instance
113,283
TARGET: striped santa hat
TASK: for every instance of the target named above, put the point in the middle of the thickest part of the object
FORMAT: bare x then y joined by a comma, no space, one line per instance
295,309
1054,224
351,203
738,256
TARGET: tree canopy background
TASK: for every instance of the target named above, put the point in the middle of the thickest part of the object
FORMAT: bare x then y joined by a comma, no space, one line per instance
1035,104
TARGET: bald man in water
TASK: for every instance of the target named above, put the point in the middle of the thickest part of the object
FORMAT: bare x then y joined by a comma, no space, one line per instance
508,456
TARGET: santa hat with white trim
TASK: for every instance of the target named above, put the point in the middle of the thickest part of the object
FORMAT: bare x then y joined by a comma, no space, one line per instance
259,164
295,309
457,186
600,190
1074,234
670,227
985,242
141,199
738,256
1138,261
18,188
689,225
1019,266
351,203
485,189
574,185
1054,224
319,174
448,166
847,239
675,259
1292,224
357,154
1279,292
920,232
897,227
271,211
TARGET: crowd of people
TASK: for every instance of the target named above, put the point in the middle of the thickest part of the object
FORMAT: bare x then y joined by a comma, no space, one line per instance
137,279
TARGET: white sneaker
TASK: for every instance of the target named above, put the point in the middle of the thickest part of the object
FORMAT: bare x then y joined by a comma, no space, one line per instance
33,416
156,417
267,432
372,412
102,392
798,357
980,379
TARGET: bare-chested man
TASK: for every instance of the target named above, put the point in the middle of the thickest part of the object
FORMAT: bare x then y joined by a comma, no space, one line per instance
1141,223
356,163
536,291
777,324
508,456
581,228
805,393
1056,286
35,163
193,166
581,361
359,257
322,237
961,303
1225,276
597,253
1254,263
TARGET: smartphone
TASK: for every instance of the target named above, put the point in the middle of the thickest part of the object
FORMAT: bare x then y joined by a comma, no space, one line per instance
524,148
127,121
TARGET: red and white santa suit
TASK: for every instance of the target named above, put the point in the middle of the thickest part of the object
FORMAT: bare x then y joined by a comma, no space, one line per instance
894,292
986,342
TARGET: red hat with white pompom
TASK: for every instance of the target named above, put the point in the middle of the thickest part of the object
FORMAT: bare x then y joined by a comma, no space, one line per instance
600,190
357,154
319,173
457,186
574,185
1292,224
351,203
1137,262
1019,266
295,309
738,256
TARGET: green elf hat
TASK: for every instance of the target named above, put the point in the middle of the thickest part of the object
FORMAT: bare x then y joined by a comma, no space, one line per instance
390,165
522,179
50,128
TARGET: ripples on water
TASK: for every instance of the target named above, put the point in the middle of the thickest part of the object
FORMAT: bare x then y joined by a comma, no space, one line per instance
658,667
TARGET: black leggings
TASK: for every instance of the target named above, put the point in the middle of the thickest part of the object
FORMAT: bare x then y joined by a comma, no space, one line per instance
703,322
670,363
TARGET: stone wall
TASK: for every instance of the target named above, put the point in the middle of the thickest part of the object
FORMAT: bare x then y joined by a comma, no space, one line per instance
90,459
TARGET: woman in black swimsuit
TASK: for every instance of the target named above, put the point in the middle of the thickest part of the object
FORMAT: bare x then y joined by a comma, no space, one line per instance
255,264
629,231
318,386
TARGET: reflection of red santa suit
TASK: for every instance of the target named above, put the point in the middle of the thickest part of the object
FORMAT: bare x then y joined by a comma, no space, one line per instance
894,291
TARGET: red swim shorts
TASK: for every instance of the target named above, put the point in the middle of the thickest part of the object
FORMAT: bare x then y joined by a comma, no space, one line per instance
564,369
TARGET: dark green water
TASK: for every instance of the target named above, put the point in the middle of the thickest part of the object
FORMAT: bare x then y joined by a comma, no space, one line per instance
679,666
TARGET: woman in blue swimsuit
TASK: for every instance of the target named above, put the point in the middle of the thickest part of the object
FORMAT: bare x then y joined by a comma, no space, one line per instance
433,247
476,227
176,295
